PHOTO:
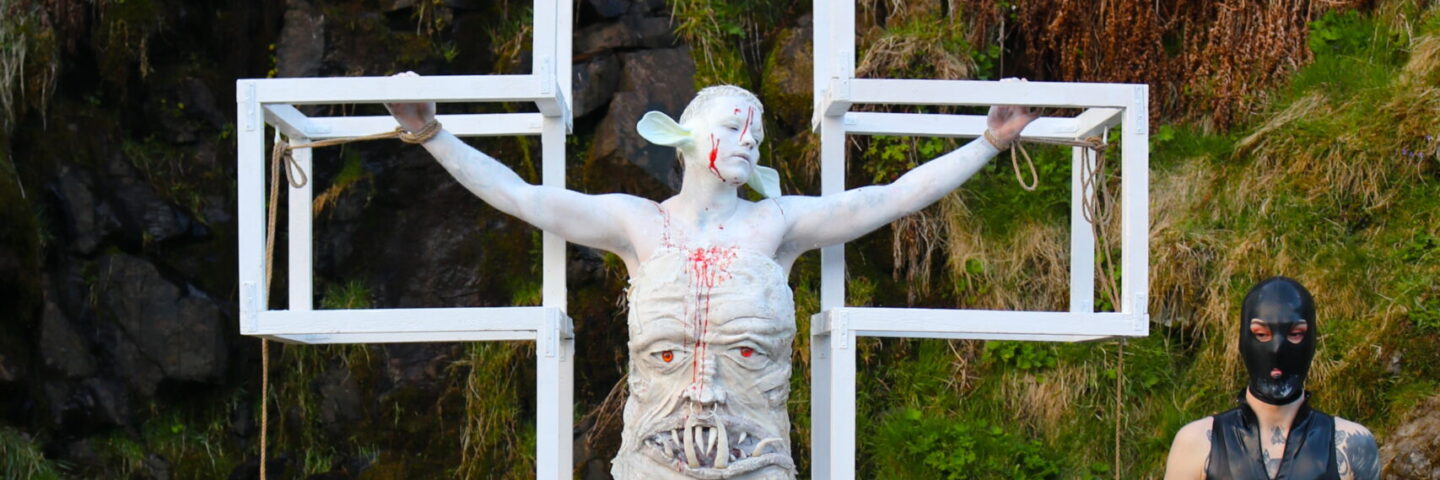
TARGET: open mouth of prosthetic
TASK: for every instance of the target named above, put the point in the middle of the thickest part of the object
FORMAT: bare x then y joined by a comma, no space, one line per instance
715,446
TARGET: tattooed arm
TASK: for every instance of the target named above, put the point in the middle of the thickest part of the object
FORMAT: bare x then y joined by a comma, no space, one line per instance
1355,451
1190,451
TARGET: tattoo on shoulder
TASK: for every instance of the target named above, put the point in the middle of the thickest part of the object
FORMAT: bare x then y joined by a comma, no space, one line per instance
1357,455
1277,436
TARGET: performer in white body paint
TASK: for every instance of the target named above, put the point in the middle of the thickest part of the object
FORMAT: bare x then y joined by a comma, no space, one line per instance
711,318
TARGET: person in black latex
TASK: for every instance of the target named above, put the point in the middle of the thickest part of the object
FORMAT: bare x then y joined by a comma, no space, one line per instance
1273,433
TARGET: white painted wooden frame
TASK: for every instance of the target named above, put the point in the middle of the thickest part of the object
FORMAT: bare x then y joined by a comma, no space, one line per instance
262,102
835,329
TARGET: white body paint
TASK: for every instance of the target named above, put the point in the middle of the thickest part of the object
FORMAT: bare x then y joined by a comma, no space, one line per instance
708,274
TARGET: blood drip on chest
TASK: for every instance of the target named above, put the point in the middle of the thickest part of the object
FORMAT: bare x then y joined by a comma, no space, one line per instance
708,267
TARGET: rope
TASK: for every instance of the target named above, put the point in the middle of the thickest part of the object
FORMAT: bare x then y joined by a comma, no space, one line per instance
1119,401
1092,180
279,155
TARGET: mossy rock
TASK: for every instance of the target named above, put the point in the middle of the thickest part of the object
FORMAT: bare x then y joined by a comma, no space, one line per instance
787,80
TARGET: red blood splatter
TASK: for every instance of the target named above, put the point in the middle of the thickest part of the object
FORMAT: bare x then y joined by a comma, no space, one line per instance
737,111
749,116
664,226
715,150
709,267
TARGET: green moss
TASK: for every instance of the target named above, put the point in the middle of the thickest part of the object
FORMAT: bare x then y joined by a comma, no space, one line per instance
724,37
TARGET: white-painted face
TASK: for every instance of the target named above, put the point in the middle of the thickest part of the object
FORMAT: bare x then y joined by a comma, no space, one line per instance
710,338
726,138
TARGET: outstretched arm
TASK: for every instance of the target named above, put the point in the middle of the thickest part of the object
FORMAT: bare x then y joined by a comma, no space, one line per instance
591,220
821,221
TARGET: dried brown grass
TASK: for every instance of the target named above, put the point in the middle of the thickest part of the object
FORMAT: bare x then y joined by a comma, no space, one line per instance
1202,58
1042,401
1183,257
1028,271
1424,65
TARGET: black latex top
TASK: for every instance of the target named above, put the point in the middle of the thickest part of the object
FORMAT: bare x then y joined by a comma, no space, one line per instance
1236,452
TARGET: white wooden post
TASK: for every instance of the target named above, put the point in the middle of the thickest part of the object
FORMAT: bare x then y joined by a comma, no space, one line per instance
262,102
834,331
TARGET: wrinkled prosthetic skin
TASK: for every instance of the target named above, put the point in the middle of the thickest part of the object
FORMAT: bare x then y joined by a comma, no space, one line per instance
1281,304
710,337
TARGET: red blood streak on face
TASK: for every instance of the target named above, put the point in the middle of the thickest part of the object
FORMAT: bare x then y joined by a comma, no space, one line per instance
708,268
715,150
749,117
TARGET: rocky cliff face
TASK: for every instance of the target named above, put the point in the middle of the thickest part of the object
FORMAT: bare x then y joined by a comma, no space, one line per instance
120,340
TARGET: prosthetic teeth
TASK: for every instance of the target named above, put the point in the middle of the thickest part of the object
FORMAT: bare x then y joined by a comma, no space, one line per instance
711,446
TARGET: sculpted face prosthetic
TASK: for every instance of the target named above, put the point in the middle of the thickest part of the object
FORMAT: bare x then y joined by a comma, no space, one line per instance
1277,339
711,329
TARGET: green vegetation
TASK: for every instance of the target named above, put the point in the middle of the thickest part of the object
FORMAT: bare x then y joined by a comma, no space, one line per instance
725,37
20,457
1330,185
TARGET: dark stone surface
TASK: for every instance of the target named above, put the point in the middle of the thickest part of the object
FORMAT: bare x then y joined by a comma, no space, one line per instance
91,405
301,47
595,82
787,85
340,403
1412,450
86,220
156,467
145,216
173,328
62,349
651,32
662,80
602,37
609,8
109,405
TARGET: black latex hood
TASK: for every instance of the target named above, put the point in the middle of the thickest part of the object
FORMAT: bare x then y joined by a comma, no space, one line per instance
1281,303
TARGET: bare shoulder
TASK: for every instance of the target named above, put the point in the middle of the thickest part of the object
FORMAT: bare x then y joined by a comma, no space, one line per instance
1356,452
1195,434
1190,450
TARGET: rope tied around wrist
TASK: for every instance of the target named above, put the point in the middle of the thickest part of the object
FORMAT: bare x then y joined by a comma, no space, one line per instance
296,177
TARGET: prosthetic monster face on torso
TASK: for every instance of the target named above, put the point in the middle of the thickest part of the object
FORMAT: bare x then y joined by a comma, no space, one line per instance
710,336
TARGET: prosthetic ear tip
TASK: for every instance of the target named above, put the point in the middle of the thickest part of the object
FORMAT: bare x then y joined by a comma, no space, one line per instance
660,129
765,180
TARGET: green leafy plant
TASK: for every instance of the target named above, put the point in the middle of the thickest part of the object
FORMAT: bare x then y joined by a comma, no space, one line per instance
934,446
1021,355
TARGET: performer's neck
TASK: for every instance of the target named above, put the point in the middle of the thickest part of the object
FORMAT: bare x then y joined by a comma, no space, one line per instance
706,197
1274,415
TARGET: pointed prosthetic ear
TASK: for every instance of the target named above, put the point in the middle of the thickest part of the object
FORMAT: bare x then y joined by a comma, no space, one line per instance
766,181
660,129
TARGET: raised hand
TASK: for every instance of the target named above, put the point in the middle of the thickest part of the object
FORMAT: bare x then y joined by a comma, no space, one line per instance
1006,121
411,116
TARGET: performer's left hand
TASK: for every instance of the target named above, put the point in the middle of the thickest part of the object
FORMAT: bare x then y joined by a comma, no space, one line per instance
1006,121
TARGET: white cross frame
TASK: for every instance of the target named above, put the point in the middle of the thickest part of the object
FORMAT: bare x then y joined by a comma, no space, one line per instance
834,330
262,102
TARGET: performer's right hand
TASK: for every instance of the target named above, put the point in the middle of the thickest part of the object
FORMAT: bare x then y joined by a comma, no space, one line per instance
411,116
